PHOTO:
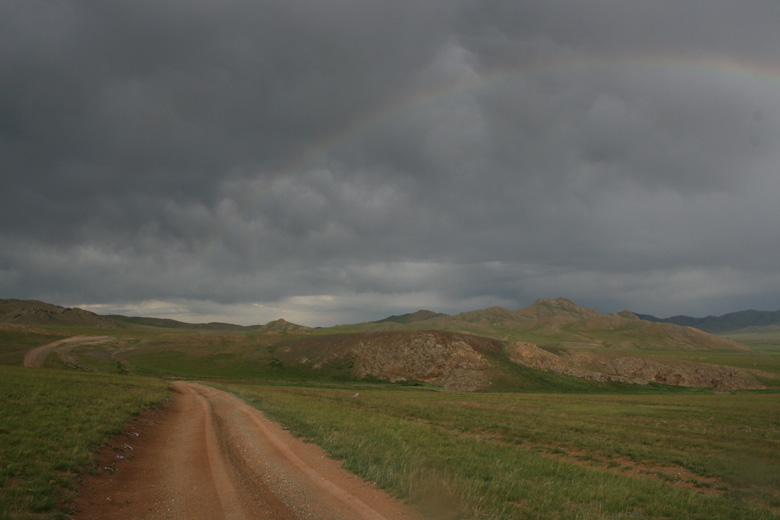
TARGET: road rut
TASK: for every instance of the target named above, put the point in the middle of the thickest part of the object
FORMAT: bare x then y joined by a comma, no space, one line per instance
212,456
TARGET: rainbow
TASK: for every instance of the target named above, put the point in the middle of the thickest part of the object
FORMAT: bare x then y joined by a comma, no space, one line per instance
698,64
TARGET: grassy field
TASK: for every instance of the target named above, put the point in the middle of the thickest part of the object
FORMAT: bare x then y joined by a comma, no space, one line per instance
16,340
548,446
504,456
51,423
766,349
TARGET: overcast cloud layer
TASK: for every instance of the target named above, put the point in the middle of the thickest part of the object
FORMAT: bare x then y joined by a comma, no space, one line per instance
332,162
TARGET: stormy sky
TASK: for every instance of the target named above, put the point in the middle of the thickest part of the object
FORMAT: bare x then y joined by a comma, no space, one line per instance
341,161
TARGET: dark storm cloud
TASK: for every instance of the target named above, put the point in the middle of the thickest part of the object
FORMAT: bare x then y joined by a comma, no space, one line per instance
345,160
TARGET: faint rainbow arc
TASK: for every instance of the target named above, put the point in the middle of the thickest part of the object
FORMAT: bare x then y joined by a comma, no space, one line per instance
307,154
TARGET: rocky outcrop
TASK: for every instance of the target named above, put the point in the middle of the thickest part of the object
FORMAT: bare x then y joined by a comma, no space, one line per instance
446,359
452,361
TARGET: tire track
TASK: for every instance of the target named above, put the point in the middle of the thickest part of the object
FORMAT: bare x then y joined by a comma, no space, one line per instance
36,357
212,456
220,477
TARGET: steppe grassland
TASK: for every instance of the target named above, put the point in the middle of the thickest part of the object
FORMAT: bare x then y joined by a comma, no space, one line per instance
51,424
766,349
16,340
548,455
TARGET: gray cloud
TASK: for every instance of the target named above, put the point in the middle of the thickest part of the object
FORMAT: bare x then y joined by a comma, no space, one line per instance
344,161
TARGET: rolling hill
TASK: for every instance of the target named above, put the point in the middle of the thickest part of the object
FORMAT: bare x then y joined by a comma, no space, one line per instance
553,343
33,312
557,322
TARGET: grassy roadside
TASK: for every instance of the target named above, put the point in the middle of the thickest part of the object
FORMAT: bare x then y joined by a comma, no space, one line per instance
51,423
504,456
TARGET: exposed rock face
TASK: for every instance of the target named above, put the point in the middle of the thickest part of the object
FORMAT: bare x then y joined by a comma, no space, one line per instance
449,360
601,366
530,355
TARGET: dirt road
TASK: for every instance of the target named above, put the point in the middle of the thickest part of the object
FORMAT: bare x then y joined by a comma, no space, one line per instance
209,455
36,356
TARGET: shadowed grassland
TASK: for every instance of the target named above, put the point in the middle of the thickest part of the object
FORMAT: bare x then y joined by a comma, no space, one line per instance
16,340
234,356
51,423
766,349
504,456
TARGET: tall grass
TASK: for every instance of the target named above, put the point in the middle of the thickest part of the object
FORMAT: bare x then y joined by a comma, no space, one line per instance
51,423
504,456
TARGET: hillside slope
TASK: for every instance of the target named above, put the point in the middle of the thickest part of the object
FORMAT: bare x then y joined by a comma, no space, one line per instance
560,321
484,349
166,323
731,322
33,312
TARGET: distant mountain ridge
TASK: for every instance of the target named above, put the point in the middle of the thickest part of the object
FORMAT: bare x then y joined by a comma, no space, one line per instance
547,316
168,323
413,317
731,322
559,322
34,312
489,348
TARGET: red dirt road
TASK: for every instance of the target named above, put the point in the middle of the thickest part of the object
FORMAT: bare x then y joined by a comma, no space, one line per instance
209,455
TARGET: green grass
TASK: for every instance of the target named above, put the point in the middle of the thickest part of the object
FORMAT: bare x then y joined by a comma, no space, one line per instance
16,341
563,448
51,423
504,456
766,350
763,357
229,365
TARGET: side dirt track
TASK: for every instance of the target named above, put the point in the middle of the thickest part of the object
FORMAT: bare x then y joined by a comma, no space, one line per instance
35,357
211,455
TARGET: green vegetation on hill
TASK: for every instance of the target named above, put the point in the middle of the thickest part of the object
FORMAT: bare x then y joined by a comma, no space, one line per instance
552,321
423,346
421,315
